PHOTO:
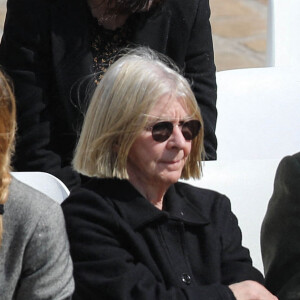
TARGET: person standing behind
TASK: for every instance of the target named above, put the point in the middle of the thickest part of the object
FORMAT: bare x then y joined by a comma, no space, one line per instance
280,232
35,262
51,47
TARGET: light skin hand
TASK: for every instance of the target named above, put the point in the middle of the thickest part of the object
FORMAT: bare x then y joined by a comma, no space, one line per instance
251,290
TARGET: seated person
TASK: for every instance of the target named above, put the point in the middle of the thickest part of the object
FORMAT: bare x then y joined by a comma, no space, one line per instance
35,262
136,232
280,232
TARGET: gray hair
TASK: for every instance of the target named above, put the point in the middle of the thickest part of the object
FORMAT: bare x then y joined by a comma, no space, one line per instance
118,112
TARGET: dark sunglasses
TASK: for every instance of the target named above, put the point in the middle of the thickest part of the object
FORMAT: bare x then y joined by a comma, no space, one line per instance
161,131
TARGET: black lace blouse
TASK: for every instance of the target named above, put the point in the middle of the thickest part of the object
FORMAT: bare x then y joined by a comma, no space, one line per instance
107,44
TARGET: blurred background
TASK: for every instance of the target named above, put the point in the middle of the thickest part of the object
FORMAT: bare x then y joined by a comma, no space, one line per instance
239,32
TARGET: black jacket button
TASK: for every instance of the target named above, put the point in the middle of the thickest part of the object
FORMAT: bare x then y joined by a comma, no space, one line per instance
186,278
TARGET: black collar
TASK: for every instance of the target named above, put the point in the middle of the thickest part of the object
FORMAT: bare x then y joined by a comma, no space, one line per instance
138,211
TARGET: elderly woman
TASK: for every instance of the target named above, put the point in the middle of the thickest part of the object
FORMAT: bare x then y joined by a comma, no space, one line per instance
35,262
135,231
51,47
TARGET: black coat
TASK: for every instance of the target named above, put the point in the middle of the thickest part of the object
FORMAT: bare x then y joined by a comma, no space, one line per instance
46,50
280,242
123,247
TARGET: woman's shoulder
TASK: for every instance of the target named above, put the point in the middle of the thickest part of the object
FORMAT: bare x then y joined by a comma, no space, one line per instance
24,202
25,194
94,200
202,198
287,177
290,163
33,221
98,189
27,213
96,193
188,188
211,204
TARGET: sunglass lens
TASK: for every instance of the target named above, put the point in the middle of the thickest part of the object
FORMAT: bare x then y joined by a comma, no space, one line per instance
162,131
190,129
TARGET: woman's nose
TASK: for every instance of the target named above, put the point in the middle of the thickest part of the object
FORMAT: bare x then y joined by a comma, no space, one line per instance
177,139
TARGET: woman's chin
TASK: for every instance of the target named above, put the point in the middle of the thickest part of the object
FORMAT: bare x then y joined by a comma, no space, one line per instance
171,177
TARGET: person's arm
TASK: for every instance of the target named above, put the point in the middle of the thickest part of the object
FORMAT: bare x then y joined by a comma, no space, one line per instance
236,259
26,56
47,265
103,268
243,279
280,232
251,290
200,69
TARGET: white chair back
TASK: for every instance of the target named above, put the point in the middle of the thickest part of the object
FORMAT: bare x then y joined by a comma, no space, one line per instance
258,113
283,38
249,186
45,183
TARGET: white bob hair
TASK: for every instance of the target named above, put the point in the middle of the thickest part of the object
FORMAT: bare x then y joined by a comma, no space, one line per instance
118,112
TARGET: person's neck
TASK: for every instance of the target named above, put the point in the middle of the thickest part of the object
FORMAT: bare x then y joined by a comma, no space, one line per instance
154,193
106,20
113,22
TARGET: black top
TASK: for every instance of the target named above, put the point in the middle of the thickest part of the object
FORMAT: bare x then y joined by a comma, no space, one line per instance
280,243
123,247
107,44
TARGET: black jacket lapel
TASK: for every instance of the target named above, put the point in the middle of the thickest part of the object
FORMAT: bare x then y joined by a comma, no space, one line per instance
158,22
72,57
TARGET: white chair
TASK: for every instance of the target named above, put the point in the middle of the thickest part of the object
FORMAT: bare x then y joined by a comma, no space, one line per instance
45,183
283,38
249,186
258,113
